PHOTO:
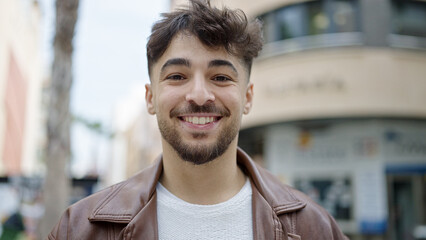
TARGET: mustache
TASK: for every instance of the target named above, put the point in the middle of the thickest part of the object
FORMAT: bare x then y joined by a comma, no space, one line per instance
194,108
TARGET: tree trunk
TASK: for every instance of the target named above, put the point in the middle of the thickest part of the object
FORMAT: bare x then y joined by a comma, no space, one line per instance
57,152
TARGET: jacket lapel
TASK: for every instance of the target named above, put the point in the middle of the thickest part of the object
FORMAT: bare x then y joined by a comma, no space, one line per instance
271,199
144,224
131,198
278,195
265,223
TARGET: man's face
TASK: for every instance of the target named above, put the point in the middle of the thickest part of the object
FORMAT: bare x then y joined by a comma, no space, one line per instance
199,95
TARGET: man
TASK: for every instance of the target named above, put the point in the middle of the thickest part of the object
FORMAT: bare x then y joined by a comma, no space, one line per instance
203,186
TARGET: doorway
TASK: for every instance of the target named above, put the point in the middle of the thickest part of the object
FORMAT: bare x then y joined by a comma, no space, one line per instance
407,210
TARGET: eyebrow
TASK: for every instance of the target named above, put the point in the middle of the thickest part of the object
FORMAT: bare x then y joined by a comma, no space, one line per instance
175,61
220,62
187,63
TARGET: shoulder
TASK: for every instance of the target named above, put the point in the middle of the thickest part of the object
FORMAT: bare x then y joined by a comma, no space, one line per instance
297,212
78,214
314,220
118,203
309,220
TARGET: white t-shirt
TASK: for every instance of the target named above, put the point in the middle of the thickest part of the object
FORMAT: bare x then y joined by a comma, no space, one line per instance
231,219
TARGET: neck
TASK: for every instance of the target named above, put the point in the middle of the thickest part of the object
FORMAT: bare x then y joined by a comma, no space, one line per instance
206,184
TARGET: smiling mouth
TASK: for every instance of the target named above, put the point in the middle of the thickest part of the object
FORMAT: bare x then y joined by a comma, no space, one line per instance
200,120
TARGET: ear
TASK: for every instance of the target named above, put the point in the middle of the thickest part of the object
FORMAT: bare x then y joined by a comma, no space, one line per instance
249,98
149,98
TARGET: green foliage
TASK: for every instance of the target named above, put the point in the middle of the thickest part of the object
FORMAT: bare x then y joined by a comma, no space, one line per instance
93,126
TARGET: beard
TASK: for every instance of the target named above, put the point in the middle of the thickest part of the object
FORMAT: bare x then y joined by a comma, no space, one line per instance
199,153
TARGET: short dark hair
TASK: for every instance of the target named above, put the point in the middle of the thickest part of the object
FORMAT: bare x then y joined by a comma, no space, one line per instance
214,27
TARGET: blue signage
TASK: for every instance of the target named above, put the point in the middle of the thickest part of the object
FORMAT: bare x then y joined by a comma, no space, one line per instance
373,227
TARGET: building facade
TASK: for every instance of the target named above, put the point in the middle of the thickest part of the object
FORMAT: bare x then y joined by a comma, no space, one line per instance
20,85
340,108
137,140
21,79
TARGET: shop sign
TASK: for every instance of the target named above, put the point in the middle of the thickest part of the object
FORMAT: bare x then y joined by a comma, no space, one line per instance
302,85
404,146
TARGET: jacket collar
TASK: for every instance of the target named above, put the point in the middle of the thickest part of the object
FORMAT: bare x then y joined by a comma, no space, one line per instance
278,195
128,198
125,200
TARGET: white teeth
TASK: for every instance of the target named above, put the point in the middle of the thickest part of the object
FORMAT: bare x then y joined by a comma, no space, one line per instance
199,120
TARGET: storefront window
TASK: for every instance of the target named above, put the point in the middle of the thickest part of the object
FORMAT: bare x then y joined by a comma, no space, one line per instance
335,195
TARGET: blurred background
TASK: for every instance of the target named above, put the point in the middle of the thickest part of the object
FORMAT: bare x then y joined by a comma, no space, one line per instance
339,109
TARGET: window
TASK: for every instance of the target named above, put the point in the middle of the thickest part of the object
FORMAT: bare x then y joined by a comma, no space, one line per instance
409,18
333,193
311,18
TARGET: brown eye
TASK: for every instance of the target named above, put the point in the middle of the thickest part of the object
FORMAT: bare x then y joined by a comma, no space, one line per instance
221,78
175,77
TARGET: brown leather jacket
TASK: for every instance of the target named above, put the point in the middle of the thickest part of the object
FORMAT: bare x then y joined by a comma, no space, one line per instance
127,210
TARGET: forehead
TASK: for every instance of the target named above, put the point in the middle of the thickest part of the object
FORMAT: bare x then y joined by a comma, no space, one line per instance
189,47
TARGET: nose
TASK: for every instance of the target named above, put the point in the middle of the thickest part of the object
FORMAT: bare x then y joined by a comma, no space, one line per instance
200,92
